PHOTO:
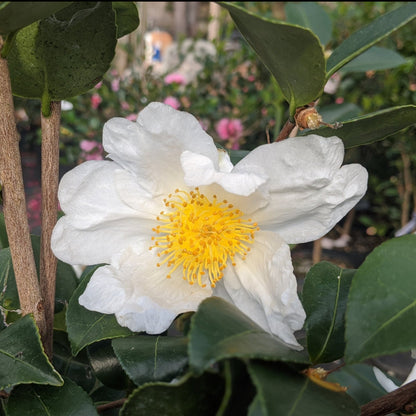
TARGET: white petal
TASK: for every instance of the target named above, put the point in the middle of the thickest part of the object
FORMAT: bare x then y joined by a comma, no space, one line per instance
149,300
98,244
411,377
296,162
315,212
224,161
89,195
200,170
264,287
151,146
104,293
308,190
106,210
384,381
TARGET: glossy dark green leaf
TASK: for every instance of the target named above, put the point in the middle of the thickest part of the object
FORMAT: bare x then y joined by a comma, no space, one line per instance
374,59
312,16
4,241
17,14
219,330
369,35
78,368
324,298
255,408
282,391
127,17
68,400
239,390
66,280
382,302
9,297
332,113
85,326
106,366
189,396
292,54
148,358
22,359
362,384
372,127
64,55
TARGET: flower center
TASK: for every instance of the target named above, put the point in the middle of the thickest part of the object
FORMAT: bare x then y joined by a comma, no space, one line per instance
201,235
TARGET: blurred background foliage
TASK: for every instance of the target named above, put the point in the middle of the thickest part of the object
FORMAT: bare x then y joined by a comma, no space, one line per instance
233,84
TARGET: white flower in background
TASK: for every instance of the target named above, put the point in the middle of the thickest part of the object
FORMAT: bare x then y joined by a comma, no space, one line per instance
175,222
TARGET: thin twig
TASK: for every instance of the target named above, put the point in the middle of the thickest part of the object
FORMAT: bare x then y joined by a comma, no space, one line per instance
317,251
14,205
50,178
408,187
391,402
110,405
286,130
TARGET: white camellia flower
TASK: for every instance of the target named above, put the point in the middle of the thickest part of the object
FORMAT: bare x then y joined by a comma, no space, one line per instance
175,222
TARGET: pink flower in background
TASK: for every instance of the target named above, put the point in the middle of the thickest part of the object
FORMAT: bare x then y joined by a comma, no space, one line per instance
115,84
91,150
96,100
132,117
99,85
125,105
172,101
339,100
231,130
175,77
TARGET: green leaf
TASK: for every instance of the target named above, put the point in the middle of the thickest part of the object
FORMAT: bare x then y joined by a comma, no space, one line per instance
339,112
106,366
15,15
148,358
372,127
292,54
239,390
282,391
66,280
312,16
382,302
219,330
369,35
255,408
78,368
64,55
84,326
4,241
127,17
22,359
324,298
68,400
362,384
187,397
374,59
9,296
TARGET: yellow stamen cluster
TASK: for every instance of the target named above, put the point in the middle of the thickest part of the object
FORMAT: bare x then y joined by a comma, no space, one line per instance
201,235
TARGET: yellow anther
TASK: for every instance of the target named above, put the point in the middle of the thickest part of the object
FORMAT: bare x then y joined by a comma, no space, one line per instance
199,235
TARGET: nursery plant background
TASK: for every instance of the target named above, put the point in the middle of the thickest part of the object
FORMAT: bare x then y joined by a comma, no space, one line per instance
356,63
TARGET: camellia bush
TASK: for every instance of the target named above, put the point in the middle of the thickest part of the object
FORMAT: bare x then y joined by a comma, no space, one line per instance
167,286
